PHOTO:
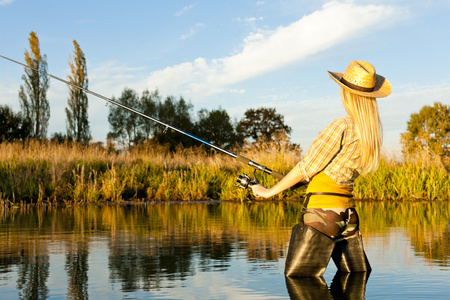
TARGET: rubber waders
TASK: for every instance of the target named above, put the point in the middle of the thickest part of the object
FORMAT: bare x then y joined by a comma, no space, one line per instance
349,255
309,252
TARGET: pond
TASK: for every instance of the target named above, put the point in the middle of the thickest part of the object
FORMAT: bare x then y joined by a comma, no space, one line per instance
216,250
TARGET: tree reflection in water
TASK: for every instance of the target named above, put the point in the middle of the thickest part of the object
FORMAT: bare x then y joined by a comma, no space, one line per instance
153,247
33,273
77,269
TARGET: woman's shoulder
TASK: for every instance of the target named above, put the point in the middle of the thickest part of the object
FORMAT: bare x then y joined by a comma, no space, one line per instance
343,123
337,128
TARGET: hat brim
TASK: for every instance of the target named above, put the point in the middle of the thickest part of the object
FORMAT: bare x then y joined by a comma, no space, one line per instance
382,86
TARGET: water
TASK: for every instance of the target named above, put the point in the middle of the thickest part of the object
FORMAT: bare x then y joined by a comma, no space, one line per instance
212,251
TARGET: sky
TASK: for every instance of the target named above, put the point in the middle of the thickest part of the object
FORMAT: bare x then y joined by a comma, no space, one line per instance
235,55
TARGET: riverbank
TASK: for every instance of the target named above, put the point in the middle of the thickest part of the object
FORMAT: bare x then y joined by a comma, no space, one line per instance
50,172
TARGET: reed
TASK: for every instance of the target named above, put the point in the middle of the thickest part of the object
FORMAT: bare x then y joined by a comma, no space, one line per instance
47,172
420,178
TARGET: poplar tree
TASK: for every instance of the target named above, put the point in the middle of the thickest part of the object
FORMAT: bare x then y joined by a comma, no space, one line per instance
77,110
33,96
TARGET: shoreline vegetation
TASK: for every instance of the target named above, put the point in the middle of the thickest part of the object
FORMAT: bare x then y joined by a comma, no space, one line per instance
49,172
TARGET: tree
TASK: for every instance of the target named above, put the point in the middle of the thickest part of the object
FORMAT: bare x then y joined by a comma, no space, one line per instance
131,128
215,127
33,97
13,126
125,124
262,122
428,130
178,114
77,110
148,105
60,137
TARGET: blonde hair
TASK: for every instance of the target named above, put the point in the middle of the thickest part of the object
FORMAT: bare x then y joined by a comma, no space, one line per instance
364,113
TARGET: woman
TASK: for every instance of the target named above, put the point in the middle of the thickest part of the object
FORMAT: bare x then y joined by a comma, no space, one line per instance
346,148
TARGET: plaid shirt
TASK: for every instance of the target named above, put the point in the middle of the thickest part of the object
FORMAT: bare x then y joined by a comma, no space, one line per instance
335,151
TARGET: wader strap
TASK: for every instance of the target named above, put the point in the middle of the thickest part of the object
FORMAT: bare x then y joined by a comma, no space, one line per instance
305,203
304,208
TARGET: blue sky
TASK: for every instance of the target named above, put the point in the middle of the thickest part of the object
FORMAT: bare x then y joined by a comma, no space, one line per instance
236,54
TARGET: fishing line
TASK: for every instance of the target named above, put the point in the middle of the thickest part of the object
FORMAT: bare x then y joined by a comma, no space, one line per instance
240,158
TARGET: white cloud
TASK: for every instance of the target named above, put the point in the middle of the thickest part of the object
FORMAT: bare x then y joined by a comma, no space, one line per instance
250,20
110,76
265,51
5,2
192,31
237,91
184,10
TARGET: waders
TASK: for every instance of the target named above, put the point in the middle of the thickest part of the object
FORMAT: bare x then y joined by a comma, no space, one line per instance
343,286
349,255
310,250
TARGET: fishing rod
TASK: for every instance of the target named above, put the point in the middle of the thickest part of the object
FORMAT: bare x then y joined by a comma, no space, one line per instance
244,181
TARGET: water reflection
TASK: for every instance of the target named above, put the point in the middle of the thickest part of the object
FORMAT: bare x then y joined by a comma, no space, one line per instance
77,268
54,251
343,286
33,273
141,264
428,224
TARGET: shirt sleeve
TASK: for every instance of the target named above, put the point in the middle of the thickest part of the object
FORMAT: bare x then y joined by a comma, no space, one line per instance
323,150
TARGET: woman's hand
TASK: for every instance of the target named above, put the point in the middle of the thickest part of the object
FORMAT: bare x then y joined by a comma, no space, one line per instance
288,181
260,191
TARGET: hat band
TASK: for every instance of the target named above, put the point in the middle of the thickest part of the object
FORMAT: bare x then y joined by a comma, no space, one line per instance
356,87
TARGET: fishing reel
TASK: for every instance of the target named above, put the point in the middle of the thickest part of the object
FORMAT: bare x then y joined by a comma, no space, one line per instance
244,181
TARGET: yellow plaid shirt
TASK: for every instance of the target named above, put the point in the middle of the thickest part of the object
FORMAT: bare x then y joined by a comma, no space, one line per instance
336,152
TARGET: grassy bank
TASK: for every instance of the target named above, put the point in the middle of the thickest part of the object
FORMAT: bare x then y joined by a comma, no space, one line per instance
46,172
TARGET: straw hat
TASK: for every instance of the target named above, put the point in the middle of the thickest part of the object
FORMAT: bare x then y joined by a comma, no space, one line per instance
360,78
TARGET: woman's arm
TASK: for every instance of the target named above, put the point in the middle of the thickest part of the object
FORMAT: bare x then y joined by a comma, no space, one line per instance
322,151
292,178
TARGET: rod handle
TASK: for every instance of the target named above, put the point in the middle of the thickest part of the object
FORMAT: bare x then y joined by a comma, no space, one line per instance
243,159
259,167
277,175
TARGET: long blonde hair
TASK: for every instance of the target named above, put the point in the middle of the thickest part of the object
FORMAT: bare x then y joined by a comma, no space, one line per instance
364,113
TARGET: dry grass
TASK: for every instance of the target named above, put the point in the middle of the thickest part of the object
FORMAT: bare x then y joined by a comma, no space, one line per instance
48,172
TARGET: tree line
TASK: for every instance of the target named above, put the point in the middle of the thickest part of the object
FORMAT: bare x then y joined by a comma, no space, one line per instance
428,130
126,127
214,126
